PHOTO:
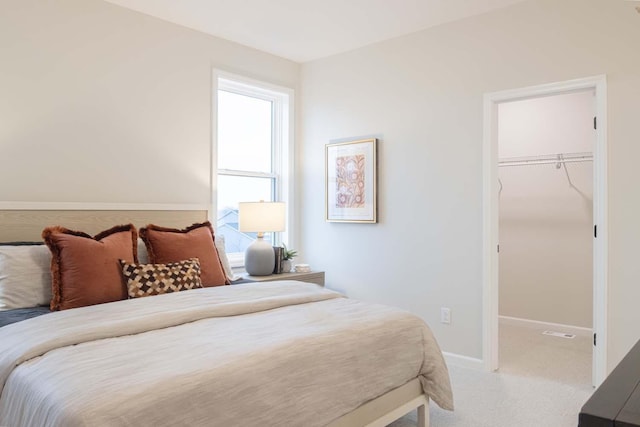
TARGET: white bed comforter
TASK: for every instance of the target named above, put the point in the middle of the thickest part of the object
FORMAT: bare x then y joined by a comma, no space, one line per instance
276,353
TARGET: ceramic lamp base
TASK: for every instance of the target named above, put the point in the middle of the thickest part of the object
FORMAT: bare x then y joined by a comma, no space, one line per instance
259,258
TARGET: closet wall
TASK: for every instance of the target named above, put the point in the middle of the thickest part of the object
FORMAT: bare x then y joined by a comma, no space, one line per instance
546,216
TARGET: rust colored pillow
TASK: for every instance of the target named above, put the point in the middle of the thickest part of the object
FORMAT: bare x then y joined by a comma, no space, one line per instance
86,270
196,241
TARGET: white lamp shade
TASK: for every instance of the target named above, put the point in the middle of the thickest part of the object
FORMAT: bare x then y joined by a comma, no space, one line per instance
261,217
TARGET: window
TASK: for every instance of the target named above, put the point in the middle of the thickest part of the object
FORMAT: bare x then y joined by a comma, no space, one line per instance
252,145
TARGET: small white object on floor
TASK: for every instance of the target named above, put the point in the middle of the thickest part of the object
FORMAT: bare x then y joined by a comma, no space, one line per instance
559,334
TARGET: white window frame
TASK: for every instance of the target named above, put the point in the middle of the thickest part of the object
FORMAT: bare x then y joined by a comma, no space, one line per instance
282,152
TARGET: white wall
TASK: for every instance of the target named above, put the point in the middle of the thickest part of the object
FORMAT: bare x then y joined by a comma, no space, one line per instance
102,104
546,242
422,96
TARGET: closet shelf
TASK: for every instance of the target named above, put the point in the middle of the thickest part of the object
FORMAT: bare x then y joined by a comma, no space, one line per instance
557,159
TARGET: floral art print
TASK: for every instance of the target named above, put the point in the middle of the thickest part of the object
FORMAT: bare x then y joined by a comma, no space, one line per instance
350,181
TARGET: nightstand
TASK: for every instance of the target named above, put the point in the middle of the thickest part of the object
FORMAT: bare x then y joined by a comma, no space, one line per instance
316,277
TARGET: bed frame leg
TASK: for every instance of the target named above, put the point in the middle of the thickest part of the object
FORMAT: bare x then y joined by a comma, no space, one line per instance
423,418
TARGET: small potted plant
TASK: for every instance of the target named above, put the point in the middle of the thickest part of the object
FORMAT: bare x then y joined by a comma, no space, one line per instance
287,256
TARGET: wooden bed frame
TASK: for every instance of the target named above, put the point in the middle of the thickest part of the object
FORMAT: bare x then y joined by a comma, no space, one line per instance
389,407
27,225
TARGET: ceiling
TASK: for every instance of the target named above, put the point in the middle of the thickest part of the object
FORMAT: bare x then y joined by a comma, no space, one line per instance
305,30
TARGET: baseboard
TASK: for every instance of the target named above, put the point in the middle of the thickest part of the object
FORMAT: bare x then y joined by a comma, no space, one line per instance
463,361
577,330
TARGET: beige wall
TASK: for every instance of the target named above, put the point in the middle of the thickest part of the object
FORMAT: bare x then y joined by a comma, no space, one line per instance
422,96
102,104
546,249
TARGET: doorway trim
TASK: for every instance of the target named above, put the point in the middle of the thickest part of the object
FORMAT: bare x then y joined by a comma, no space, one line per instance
490,219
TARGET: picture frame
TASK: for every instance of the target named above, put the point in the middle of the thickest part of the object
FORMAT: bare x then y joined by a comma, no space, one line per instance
351,181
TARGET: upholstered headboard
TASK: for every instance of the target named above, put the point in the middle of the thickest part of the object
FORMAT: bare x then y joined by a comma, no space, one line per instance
27,225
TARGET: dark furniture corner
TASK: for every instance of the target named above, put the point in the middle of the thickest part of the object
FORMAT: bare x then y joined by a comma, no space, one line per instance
616,403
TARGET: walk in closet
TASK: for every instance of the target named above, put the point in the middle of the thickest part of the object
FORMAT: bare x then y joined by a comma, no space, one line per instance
546,224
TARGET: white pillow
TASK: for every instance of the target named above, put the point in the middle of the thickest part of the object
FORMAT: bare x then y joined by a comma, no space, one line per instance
219,240
143,256
25,276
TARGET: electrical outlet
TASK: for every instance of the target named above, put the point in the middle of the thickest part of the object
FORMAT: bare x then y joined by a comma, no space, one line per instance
445,315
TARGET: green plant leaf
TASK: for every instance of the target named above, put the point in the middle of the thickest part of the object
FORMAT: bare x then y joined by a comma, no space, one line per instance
288,253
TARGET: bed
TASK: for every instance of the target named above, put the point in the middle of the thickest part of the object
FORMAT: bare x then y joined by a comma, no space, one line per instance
278,353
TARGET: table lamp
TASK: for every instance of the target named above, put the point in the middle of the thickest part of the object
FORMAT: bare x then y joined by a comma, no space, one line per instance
260,217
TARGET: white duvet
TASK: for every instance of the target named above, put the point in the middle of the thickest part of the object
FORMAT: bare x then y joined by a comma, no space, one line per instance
265,354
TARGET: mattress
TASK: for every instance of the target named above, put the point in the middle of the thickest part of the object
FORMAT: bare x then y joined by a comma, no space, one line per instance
277,353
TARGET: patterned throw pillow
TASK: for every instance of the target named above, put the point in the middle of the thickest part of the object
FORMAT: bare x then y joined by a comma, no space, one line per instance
155,279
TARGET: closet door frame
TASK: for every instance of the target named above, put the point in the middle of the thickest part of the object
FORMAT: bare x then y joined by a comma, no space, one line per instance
491,216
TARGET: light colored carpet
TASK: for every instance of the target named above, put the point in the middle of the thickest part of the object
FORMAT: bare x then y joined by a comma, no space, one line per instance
542,381
524,351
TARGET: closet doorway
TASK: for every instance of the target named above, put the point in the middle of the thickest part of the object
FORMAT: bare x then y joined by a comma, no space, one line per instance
545,194
545,270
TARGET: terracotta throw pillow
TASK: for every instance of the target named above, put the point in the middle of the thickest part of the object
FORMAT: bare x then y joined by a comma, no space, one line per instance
196,241
154,279
86,270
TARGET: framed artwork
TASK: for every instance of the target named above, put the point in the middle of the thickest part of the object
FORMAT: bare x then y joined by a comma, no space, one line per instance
350,181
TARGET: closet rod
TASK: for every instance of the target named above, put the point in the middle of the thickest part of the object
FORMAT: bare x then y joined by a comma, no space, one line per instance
542,162
546,160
